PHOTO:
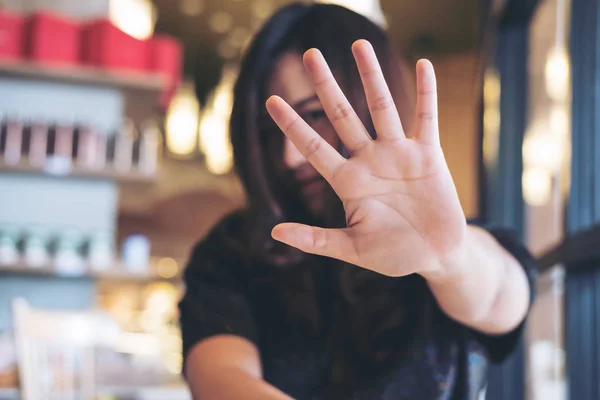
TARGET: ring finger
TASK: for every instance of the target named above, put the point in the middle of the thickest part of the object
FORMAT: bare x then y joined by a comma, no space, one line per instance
337,107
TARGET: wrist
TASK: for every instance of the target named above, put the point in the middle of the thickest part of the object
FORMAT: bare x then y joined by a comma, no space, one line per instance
453,265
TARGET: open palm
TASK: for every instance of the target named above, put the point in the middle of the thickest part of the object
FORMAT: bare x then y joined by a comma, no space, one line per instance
402,210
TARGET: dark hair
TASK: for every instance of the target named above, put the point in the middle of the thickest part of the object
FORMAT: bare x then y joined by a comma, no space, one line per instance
332,29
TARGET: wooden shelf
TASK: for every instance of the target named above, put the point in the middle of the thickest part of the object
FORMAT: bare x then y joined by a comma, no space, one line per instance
75,172
83,75
114,273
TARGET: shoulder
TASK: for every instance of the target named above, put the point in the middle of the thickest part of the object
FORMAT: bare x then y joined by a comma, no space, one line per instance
221,249
227,237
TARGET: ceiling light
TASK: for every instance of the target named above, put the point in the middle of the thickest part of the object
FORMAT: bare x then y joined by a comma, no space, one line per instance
192,8
226,51
537,186
238,37
557,74
182,122
134,17
262,9
221,22
542,149
214,140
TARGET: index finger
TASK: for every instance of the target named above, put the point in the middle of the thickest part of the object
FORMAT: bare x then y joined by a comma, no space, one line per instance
313,147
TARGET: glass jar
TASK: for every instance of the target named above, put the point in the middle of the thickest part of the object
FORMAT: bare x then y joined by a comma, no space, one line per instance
68,259
9,251
136,253
100,253
35,248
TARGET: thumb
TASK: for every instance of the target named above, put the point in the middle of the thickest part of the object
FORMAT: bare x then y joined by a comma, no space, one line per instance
334,243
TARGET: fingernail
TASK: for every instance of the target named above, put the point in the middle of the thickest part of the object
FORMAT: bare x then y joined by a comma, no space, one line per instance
310,62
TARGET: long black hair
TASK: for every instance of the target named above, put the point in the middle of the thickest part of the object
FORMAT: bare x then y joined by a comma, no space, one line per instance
332,29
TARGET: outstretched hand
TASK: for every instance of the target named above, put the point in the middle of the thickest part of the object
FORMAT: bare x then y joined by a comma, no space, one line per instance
402,210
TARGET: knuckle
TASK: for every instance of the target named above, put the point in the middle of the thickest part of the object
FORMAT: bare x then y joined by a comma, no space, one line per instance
426,91
341,111
319,238
427,116
322,82
381,103
369,73
360,145
313,146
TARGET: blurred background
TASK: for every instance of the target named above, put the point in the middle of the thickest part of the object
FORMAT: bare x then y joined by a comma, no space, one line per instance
115,160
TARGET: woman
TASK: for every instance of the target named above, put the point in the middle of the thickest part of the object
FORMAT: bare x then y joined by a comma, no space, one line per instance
379,289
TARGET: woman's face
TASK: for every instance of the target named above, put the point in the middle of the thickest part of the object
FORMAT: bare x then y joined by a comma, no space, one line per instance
290,81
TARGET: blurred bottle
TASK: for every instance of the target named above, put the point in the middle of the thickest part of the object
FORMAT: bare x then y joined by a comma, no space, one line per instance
67,253
38,144
9,252
86,151
13,141
63,146
100,251
60,150
136,253
101,151
149,148
35,247
123,147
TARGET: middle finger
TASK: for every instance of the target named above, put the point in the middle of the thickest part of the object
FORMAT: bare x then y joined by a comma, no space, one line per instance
337,107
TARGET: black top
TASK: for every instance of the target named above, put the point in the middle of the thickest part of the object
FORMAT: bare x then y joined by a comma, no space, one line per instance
328,330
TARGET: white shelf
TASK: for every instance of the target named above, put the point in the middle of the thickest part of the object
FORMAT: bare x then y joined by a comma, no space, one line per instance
133,176
83,75
114,273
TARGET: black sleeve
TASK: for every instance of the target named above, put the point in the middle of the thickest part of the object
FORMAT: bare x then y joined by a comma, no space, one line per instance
214,302
501,346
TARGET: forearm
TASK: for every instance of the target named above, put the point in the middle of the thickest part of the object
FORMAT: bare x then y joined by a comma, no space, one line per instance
484,286
227,367
234,384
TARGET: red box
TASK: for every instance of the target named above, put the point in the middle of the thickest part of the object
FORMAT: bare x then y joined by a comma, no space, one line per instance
106,46
12,37
166,58
53,39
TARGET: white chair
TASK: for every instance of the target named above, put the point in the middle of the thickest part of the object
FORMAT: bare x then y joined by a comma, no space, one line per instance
55,352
